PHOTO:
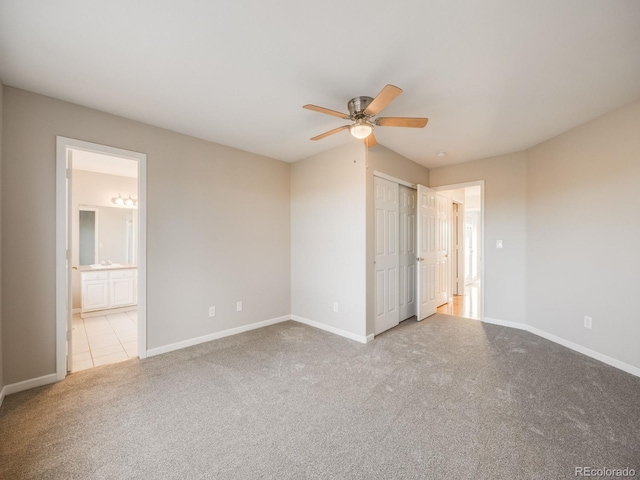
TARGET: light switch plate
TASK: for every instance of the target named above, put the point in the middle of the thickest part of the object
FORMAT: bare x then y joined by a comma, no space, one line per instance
498,243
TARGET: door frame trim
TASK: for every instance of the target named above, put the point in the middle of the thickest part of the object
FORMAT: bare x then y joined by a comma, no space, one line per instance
63,144
480,183
399,181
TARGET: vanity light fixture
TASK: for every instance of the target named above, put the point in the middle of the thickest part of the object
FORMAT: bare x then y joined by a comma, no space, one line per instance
125,202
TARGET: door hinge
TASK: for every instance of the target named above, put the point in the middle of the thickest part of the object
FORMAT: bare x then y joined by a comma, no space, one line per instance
68,254
68,173
69,333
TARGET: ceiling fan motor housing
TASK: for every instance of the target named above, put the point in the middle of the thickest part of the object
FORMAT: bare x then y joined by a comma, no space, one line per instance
357,106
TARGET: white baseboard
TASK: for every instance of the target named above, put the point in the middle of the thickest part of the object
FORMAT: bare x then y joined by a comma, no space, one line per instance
334,330
214,336
27,384
252,326
569,344
504,323
586,351
52,378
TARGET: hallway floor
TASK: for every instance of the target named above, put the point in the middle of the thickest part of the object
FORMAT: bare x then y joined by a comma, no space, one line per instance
105,339
467,305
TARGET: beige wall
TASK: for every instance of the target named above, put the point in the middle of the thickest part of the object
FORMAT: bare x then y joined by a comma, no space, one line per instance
583,231
1,136
384,160
226,225
217,220
327,235
96,190
567,211
504,219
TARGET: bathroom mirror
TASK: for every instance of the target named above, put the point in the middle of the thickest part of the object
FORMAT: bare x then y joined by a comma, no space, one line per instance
106,234
88,226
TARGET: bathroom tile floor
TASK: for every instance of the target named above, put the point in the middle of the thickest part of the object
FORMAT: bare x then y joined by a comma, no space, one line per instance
106,339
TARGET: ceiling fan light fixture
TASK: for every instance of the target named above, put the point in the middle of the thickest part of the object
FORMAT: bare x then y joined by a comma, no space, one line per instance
361,129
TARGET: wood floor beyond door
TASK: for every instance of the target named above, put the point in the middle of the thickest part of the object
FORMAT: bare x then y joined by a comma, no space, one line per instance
467,305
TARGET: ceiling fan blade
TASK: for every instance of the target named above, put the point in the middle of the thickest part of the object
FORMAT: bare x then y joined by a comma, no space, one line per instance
328,111
330,132
402,122
384,98
370,141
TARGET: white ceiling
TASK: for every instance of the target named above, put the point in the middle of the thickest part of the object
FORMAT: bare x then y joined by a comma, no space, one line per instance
100,163
493,76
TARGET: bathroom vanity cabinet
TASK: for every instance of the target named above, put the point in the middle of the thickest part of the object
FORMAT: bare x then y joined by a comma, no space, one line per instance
107,288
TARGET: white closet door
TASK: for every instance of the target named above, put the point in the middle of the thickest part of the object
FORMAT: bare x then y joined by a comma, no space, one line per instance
386,255
407,272
427,242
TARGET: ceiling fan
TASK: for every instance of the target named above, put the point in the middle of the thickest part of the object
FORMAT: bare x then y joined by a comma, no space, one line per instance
361,113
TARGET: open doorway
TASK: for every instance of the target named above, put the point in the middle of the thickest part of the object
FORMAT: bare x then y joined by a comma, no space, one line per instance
465,249
104,225
101,269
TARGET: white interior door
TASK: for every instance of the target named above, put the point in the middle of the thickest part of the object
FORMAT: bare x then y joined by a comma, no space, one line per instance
457,265
69,273
443,230
407,272
387,259
426,228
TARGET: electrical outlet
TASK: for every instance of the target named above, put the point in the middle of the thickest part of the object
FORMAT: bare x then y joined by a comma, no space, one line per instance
335,307
588,322
239,306
212,311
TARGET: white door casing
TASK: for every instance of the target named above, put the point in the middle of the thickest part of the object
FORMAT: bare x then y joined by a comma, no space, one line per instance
63,245
407,271
426,277
442,248
386,254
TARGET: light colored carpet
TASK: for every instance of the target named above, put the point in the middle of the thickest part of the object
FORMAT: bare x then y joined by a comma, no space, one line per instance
444,398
